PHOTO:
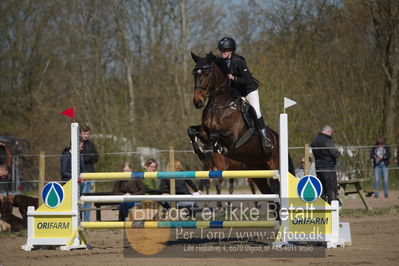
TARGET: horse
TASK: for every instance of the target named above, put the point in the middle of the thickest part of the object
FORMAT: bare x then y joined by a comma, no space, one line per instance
226,127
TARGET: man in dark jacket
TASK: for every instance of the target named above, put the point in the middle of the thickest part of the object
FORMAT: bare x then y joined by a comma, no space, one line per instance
89,152
326,154
90,157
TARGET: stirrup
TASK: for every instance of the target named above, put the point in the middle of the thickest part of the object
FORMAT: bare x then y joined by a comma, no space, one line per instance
267,144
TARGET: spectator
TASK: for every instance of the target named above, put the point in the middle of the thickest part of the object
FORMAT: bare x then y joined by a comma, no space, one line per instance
66,169
381,154
90,157
65,163
150,184
89,152
181,187
130,187
300,170
326,155
181,184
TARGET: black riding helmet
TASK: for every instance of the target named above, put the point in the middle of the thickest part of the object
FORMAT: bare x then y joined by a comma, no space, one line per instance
227,43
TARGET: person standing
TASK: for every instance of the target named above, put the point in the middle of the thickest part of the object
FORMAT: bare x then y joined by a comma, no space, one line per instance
242,80
89,152
326,155
380,154
66,163
66,171
90,157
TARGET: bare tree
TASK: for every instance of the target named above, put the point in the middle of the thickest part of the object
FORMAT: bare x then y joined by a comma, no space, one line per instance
385,16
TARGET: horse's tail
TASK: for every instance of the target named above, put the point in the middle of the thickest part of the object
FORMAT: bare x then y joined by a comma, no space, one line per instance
291,167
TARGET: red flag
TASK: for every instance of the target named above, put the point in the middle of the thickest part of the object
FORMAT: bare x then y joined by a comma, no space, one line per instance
69,112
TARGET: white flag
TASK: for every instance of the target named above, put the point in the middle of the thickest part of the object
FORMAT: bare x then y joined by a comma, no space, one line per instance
288,102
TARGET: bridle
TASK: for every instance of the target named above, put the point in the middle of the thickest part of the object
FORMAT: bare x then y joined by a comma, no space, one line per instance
199,76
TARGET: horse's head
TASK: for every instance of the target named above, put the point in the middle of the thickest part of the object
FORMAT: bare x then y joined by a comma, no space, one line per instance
207,76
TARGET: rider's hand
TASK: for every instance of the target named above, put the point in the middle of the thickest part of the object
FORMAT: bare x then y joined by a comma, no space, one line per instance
230,76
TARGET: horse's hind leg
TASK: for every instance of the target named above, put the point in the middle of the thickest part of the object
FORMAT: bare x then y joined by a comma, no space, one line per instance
263,185
266,187
231,185
220,163
253,190
218,185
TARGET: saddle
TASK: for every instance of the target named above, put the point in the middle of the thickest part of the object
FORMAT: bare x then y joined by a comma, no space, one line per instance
249,114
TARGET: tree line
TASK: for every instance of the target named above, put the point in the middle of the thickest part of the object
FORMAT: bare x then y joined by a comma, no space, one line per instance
125,67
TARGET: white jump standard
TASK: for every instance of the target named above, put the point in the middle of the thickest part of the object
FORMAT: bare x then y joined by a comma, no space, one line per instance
304,216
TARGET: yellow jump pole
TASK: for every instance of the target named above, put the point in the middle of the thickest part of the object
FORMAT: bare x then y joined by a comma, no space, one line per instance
181,175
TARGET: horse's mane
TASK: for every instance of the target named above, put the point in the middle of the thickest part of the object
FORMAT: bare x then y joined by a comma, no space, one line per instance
211,58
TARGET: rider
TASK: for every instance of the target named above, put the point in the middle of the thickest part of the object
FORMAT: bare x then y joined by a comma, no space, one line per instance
242,80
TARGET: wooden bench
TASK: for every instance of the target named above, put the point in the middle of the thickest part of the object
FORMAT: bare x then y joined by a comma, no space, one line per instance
356,183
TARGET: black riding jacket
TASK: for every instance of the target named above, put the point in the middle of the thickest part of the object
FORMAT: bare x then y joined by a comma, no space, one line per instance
244,82
325,158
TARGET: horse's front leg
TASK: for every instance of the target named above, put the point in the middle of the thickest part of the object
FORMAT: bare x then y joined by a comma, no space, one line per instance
195,133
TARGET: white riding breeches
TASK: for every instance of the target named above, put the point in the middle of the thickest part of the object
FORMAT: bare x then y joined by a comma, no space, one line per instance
253,99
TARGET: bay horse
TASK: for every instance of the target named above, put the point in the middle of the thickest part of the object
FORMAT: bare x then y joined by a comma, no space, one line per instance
226,127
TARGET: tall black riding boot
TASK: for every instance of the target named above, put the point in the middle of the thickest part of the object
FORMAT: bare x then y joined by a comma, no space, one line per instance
263,132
